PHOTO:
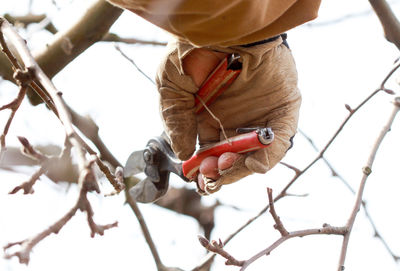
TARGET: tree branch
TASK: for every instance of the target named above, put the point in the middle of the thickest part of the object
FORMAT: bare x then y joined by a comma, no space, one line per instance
30,18
364,204
389,21
109,37
13,106
116,38
208,259
278,223
67,45
82,204
326,229
217,247
367,170
87,181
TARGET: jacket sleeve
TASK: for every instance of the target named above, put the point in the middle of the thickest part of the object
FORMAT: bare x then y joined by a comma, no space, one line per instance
223,22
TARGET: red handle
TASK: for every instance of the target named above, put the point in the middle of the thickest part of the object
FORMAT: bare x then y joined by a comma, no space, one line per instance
218,81
239,144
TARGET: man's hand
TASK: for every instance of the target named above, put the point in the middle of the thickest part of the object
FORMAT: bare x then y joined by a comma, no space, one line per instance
264,94
211,167
198,65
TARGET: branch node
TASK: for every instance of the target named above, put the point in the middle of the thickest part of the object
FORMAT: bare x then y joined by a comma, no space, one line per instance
23,77
396,101
279,225
295,169
367,170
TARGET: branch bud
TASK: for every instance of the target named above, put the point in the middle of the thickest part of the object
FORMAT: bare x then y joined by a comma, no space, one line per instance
203,241
367,170
389,91
348,108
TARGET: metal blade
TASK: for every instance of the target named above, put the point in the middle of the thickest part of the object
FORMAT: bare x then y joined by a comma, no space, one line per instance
135,164
146,191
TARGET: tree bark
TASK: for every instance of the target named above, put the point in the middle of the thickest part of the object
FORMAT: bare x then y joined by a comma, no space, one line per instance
69,44
389,21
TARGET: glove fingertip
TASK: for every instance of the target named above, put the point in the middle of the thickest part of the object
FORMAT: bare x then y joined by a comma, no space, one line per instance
257,164
184,155
183,147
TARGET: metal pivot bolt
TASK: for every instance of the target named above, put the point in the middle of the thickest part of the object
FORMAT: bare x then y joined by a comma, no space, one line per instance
147,156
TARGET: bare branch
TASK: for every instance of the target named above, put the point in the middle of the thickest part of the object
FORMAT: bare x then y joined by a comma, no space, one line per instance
46,163
295,169
90,129
367,214
146,233
328,164
217,247
49,26
87,181
207,260
27,245
82,204
14,105
366,172
89,29
61,109
133,63
326,229
27,186
389,21
338,131
115,38
55,55
30,18
279,225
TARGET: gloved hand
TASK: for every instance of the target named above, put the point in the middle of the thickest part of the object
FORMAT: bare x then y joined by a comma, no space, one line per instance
265,94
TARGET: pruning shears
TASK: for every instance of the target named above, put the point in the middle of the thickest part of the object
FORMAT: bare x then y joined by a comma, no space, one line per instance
158,160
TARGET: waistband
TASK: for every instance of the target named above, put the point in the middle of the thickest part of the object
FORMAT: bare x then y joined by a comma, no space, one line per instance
283,36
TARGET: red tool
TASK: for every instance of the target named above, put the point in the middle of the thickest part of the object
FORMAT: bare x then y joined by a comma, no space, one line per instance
218,81
157,160
251,141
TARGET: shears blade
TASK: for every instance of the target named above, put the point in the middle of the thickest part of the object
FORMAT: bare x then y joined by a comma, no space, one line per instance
135,164
146,191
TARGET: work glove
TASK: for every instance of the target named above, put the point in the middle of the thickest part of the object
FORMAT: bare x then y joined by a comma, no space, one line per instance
265,94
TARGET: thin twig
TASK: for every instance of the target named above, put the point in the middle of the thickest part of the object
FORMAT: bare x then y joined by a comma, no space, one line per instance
82,204
52,94
328,164
366,212
217,247
197,96
13,106
87,181
278,223
133,63
366,172
295,169
45,162
326,229
89,128
115,38
146,233
207,260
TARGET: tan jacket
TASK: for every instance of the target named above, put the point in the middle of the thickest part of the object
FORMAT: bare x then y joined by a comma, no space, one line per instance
223,22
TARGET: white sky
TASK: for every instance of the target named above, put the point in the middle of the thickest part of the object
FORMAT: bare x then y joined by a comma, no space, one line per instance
338,64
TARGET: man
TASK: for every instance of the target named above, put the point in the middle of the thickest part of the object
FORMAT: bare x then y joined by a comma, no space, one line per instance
265,94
